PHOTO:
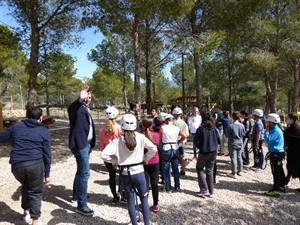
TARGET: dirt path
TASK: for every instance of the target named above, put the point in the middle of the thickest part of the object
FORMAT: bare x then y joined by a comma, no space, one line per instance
240,201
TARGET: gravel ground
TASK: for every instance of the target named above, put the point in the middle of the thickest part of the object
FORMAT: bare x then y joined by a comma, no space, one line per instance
240,201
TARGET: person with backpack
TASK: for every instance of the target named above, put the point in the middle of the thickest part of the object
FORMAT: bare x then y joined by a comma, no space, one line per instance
127,151
244,119
207,139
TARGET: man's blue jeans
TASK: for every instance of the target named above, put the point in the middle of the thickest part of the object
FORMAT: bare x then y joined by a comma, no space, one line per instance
82,175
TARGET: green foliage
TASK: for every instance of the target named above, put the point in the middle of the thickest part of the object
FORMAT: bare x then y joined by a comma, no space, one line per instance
12,61
56,73
106,86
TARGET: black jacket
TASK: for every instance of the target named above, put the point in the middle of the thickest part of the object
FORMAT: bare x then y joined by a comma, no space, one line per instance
79,119
30,144
207,140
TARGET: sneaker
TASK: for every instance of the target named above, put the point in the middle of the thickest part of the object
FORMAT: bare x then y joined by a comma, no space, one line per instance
258,170
155,208
203,193
272,193
115,200
253,168
123,200
26,216
182,173
231,175
177,189
239,173
221,154
85,211
194,158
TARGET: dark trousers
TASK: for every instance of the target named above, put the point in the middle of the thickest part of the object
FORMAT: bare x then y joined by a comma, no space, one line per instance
245,153
112,178
277,170
258,154
206,181
151,173
32,180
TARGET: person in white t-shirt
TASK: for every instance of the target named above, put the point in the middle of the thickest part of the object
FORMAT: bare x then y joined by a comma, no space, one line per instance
194,121
169,134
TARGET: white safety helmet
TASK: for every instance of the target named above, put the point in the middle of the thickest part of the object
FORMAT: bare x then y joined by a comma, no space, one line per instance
177,111
258,112
128,122
111,113
169,117
162,115
273,117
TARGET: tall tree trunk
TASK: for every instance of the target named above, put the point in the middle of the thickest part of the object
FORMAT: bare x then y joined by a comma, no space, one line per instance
124,88
199,98
195,30
33,65
295,97
137,72
148,67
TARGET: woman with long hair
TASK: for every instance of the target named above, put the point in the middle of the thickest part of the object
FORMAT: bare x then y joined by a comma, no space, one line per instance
291,145
127,151
109,131
152,167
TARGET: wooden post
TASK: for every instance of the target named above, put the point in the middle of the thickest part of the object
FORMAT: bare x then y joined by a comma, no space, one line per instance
1,115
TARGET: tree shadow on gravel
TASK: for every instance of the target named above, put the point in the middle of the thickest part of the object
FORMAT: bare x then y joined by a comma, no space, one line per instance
208,211
10,216
61,197
99,168
61,216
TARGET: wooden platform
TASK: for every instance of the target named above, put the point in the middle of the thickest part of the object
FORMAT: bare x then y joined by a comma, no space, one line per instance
7,122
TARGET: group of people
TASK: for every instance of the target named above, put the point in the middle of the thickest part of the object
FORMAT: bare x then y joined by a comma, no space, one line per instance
146,149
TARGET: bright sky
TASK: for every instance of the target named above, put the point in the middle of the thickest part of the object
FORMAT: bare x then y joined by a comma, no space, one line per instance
84,67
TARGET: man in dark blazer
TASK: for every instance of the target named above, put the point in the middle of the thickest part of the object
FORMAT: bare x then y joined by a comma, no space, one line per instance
81,141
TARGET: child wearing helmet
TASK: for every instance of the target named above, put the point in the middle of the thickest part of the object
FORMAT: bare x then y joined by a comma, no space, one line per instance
257,140
127,151
274,138
109,131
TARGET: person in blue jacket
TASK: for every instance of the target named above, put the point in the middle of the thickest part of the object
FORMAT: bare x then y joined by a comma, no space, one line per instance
274,138
30,160
81,141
